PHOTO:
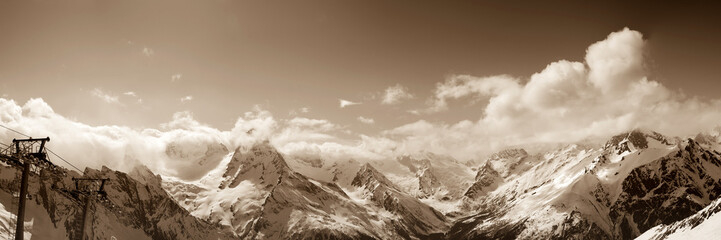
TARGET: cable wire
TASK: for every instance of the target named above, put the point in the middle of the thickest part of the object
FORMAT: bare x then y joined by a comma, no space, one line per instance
1,125
66,161
61,158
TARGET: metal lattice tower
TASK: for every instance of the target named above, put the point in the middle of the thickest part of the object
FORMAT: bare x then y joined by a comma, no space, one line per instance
25,153
91,188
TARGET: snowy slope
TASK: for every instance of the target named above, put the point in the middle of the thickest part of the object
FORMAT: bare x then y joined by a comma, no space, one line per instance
257,195
637,180
705,224
438,176
414,217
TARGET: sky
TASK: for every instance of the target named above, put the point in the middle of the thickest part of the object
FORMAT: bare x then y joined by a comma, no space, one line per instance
360,79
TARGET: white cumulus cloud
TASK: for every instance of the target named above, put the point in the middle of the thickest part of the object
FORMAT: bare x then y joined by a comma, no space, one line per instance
566,101
176,148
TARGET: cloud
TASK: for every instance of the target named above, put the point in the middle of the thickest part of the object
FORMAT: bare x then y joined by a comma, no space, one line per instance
176,77
97,92
311,123
346,103
461,86
186,98
366,120
294,112
177,148
134,95
148,52
394,94
304,130
566,101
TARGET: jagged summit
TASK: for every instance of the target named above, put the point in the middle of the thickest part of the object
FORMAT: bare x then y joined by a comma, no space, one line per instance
416,218
508,162
261,164
510,153
438,178
369,177
638,139
142,174
487,179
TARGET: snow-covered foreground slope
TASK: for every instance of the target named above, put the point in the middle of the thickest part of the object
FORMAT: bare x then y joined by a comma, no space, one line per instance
706,224
636,181
7,224
258,196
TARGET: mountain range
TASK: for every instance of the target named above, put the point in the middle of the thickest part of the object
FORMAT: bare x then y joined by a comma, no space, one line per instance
637,184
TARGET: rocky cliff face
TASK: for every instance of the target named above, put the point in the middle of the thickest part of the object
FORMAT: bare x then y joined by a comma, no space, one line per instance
702,225
415,218
439,177
132,208
667,190
487,180
259,197
636,181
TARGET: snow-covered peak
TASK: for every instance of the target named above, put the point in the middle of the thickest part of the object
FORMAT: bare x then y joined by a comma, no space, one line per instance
509,162
368,177
510,153
633,140
439,178
487,179
261,164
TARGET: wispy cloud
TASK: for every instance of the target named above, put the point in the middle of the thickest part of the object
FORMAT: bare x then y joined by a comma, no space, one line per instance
97,92
176,77
186,98
366,120
148,51
395,94
295,112
345,103
134,95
